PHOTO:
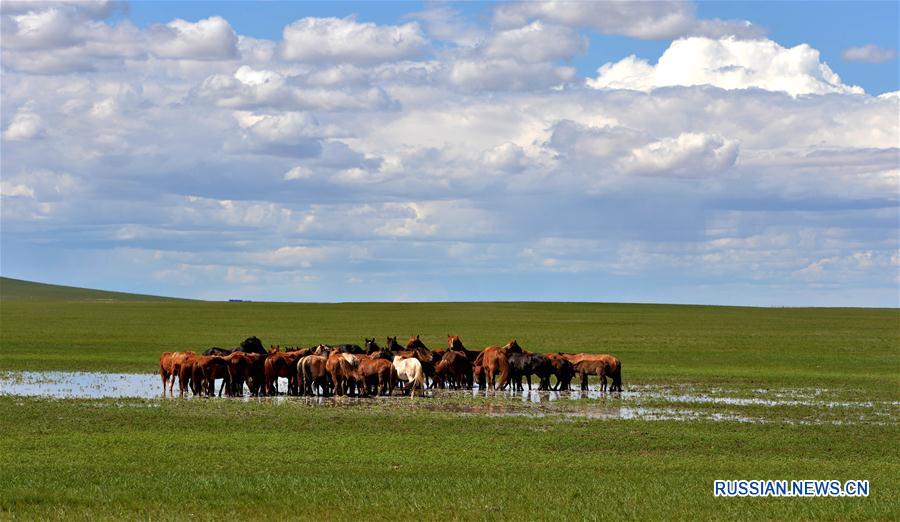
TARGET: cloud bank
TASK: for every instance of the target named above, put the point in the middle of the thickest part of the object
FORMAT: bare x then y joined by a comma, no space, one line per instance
438,159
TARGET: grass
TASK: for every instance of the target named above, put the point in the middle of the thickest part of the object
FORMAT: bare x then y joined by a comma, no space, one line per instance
213,459
129,459
852,348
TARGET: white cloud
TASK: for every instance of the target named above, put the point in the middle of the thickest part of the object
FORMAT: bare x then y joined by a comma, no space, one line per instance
483,155
249,88
507,156
298,172
208,39
727,63
687,155
868,53
536,42
650,19
8,189
25,125
346,40
504,74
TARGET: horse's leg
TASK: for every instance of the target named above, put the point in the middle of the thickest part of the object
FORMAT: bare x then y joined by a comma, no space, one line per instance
528,378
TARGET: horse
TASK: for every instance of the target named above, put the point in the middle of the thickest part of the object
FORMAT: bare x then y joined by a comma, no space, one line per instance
312,375
456,345
215,350
526,364
563,371
208,368
375,374
371,346
281,364
456,370
248,345
170,367
340,367
492,361
246,367
600,365
165,369
186,373
251,345
410,370
353,349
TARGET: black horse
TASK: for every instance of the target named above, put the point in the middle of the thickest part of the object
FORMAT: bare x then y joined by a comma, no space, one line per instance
526,365
248,345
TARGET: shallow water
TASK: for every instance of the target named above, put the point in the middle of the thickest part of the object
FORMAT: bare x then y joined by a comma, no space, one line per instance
637,402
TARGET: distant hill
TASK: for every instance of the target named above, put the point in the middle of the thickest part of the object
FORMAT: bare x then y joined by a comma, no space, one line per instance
19,290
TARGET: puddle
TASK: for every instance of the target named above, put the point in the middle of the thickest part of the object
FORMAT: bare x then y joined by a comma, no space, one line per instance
637,402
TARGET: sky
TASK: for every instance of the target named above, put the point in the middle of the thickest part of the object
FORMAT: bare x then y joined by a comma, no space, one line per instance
738,153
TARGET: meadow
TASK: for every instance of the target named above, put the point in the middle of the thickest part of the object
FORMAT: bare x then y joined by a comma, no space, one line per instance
480,456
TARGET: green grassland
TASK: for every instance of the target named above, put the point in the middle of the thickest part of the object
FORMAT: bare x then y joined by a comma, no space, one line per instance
854,349
215,459
407,459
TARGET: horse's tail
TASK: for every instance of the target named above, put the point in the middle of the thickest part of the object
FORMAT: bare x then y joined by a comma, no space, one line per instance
503,363
301,376
163,372
616,374
419,379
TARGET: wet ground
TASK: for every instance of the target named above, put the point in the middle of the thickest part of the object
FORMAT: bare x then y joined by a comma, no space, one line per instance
645,402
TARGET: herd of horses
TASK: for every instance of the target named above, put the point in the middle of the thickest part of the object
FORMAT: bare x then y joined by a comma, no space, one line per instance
349,369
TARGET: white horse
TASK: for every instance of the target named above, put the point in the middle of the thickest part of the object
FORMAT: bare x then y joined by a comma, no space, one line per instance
410,370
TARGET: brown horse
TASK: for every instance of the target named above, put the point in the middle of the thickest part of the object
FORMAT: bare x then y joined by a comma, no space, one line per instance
456,370
312,375
456,345
375,375
208,368
563,371
169,366
492,361
165,369
185,365
281,364
341,367
602,366
246,368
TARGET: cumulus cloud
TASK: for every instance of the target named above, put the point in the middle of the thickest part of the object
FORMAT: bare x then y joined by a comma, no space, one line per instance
481,74
298,172
687,155
346,40
868,53
536,42
25,125
652,20
481,157
249,88
727,63
208,39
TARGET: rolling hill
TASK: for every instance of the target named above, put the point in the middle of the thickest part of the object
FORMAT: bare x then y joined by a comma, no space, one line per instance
20,290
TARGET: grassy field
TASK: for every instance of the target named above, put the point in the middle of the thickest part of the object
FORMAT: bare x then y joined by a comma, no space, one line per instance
401,458
856,349
214,459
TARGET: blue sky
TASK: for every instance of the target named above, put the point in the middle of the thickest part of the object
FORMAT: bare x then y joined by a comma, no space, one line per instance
830,27
712,152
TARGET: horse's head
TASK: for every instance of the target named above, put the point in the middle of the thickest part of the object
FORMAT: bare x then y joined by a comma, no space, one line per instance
392,344
273,349
372,346
414,343
253,345
513,347
454,343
